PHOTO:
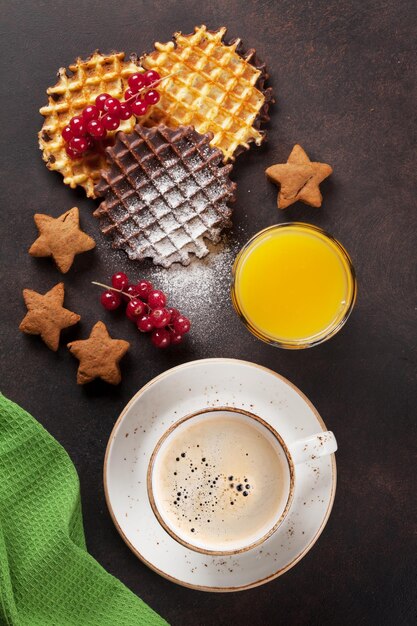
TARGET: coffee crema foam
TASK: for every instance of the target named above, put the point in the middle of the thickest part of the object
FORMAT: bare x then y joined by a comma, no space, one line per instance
221,480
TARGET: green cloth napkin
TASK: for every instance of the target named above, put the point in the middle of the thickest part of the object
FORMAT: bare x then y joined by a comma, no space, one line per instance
47,577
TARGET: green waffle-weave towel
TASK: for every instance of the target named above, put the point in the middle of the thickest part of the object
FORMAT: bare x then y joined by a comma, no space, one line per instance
47,577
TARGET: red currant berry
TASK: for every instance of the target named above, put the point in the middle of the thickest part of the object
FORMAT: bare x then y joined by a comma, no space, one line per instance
152,96
96,129
78,144
78,126
119,280
112,106
91,113
134,309
151,77
67,133
145,324
110,122
181,324
160,317
138,107
131,290
137,82
174,313
125,111
156,299
101,99
110,300
71,153
161,338
176,338
129,94
144,287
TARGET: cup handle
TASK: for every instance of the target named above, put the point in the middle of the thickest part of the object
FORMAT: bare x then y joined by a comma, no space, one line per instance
311,448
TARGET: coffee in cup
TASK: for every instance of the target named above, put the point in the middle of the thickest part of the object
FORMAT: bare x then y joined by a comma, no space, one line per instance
221,481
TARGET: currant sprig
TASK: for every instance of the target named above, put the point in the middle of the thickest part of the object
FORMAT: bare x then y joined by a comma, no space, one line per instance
146,307
107,113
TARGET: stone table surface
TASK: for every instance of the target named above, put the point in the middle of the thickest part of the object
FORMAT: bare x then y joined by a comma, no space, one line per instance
343,75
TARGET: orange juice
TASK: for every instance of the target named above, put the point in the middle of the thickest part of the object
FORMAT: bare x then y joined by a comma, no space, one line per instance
294,285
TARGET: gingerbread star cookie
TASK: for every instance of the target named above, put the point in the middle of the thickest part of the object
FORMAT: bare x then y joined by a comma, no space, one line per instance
61,238
46,316
299,179
99,356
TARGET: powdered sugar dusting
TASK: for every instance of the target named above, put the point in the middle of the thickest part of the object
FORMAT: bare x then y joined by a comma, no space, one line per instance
202,289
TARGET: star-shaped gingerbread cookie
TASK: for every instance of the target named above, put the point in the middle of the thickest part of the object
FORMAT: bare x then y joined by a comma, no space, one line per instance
99,356
299,179
46,316
61,238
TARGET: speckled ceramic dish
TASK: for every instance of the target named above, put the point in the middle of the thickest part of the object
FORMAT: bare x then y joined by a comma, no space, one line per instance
180,392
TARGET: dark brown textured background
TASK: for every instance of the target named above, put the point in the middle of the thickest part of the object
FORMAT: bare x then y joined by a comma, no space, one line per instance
343,77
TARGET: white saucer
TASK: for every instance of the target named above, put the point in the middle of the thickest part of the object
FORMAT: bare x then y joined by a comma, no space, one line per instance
179,392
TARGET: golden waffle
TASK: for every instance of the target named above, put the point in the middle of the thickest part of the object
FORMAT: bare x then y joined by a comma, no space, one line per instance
216,88
72,93
165,191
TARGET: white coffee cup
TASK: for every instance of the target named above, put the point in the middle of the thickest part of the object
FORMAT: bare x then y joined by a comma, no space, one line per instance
221,480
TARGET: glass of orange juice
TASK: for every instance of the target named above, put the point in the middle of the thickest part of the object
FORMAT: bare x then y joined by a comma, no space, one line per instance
294,285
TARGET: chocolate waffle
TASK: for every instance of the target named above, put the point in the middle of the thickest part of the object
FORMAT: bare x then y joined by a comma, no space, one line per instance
215,87
165,192
71,94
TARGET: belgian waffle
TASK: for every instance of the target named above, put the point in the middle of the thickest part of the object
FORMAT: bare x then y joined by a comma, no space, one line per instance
215,87
71,94
165,191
